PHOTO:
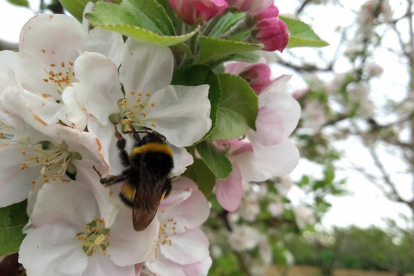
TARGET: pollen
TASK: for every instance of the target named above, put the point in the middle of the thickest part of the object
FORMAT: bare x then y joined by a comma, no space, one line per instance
138,100
148,94
52,64
45,80
23,152
139,94
135,105
141,123
71,63
154,125
132,92
123,102
144,114
62,64
94,240
152,104
33,182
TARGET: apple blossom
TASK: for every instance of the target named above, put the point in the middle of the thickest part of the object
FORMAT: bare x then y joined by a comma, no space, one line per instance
244,238
69,236
374,70
182,248
257,74
198,11
253,6
180,113
271,31
303,216
48,48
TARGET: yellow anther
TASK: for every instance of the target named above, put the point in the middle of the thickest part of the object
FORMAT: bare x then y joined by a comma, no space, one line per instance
71,63
33,182
23,152
140,94
132,92
154,125
138,100
144,114
62,64
52,64
148,94
152,104
141,123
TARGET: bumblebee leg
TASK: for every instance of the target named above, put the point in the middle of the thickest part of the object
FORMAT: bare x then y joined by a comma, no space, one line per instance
135,132
120,144
113,179
167,187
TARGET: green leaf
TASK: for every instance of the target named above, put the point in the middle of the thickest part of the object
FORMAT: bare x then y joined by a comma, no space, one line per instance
167,7
23,3
301,34
215,159
225,23
213,49
329,174
75,7
12,220
238,109
201,174
198,75
143,20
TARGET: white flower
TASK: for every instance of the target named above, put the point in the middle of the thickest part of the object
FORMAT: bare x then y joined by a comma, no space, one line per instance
243,238
182,248
48,49
276,209
70,237
303,216
180,113
285,185
313,114
374,70
357,92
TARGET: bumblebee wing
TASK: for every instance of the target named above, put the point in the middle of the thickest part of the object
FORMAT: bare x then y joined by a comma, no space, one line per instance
147,199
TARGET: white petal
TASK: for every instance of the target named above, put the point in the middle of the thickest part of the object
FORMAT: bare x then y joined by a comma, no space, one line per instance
52,39
187,248
53,250
87,175
182,159
198,269
85,143
107,43
99,265
99,88
15,184
200,211
127,246
182,113
145,67
165,267
267,162
71,113
72,203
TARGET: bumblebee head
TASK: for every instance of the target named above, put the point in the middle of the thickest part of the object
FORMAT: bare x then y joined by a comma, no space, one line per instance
153,137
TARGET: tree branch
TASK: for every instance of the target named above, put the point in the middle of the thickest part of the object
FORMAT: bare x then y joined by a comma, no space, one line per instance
8,46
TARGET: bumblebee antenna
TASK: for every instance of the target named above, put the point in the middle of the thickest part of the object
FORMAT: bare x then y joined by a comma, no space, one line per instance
97,172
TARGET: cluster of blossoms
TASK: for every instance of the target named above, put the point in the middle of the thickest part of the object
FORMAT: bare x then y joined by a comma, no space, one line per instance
63,98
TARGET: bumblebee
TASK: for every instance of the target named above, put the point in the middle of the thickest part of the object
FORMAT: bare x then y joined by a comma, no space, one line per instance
147,168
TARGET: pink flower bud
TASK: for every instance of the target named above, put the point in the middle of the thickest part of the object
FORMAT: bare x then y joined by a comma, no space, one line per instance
198,11
272,32
257,75
253,6
270,12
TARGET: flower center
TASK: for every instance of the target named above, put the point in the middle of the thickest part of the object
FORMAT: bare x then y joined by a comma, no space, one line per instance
55,162
168,227
62,75
136,113
95,237
6,133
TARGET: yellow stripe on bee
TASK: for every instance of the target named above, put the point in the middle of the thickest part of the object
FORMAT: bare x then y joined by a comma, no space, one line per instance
153,147
128,191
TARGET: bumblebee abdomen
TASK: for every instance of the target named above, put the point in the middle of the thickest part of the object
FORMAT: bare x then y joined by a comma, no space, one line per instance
127,194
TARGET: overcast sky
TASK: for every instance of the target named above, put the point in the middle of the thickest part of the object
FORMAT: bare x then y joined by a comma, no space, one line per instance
366,206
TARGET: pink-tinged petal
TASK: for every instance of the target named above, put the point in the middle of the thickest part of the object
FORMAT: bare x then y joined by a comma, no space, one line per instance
182,112
187,248
175,197
99,265
198,11
138,268
252,6
105,42
198,269
165,267
15,183
184,219
235,68
52,39
99,88
87,175
145,68
184,183
70,203
279,113
229,191
127,246
267,161
182,159
53,250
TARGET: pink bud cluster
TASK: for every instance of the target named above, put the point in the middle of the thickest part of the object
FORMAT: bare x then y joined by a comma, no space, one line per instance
198,11
252,6
271,31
